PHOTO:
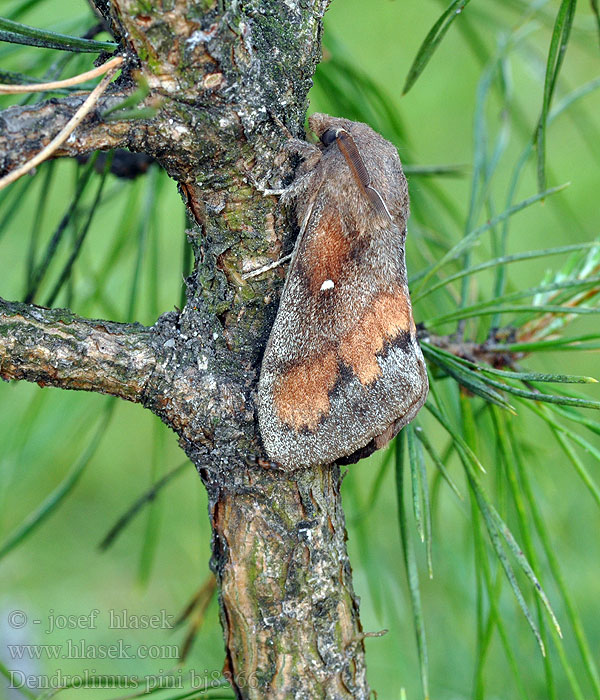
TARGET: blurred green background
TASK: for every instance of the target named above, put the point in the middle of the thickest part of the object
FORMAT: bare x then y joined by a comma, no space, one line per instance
131,267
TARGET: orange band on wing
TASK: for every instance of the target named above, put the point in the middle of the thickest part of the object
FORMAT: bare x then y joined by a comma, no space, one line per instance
301,395
386,318
326,252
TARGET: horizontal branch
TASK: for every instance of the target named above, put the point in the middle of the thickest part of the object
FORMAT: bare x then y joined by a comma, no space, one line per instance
490,352
158,367
26,130
55,347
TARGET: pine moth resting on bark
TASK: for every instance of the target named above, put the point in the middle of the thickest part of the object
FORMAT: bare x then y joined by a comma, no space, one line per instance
342,371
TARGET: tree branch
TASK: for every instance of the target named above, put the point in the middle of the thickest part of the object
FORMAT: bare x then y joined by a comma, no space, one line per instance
486,352
222,74
279,553
24,131
55,347
161,367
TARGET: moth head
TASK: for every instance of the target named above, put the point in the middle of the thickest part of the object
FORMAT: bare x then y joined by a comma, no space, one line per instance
326,127
329,136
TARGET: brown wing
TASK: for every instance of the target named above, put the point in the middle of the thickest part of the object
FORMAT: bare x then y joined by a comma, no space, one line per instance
342,362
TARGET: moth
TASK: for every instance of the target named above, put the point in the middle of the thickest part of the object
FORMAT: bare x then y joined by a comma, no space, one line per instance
342,371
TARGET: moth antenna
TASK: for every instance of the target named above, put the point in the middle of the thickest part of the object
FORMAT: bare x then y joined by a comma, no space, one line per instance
359,170
378,202
294,255
305,219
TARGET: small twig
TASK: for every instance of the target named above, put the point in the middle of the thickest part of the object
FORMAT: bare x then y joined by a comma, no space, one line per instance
66,131
57,84
264,268
485,352
367,635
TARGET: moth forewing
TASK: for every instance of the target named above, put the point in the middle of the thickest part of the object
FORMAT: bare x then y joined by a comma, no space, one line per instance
343,366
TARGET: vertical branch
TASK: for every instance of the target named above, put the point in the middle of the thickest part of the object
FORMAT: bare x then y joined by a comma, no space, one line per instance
288,609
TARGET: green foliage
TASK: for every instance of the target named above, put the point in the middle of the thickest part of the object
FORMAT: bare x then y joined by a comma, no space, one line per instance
432,41
495,486
556,54
484,403
17,33
54,500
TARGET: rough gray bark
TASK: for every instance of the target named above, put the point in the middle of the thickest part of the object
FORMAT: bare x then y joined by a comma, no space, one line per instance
220,75
24,131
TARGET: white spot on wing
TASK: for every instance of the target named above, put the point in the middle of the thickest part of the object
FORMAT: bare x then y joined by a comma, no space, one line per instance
328,284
